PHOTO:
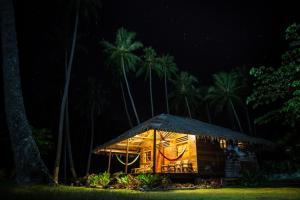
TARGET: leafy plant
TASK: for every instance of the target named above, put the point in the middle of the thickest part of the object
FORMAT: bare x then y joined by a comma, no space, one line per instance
127,181
102,179
43,139
148,179
252,178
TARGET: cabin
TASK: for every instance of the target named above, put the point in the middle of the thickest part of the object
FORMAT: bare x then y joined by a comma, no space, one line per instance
177,145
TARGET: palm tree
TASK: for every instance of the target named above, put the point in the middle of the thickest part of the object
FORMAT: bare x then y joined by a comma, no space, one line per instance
168,68
184,90
95,102
225,92
150,63
83,6
28,163
121,54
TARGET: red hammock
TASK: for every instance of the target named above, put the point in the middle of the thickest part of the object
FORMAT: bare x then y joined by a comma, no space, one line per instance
172,159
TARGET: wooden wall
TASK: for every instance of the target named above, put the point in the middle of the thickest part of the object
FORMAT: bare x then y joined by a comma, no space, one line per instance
210,158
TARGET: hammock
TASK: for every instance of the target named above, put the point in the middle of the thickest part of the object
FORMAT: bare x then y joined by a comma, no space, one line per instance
173,159
134,160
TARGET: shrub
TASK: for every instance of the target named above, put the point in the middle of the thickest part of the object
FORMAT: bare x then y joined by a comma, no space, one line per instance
102,179
252,178
148,179
127,181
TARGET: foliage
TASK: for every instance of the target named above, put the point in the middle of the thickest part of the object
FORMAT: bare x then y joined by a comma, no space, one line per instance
226,89
167,66
252,178
148,179
102,179
150,62
127,181
122,50
43,139
279,88
184,88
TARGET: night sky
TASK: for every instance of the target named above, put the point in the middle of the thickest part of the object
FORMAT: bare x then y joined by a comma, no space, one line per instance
205,37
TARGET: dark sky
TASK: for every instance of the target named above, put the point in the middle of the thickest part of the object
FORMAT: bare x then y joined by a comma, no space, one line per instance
204,36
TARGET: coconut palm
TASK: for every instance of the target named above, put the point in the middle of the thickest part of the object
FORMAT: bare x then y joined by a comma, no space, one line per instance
225,92
168,68
121,55
150,63
95,101
185,91
86,8
29,166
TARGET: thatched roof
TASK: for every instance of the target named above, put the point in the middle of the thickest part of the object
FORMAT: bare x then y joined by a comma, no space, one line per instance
171,123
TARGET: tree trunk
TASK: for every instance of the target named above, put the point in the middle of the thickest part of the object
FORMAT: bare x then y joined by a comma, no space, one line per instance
28,163
166,91
236,117
69,145
248,120
150,88
129,93
188,107
92,139
64,99
125,105
207,112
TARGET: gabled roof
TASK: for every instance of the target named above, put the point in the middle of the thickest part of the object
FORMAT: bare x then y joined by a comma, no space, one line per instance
171,123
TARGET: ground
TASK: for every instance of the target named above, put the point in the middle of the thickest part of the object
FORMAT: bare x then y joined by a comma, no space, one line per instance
10,191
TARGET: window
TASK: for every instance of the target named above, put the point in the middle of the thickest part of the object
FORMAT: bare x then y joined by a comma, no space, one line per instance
223,144
147,156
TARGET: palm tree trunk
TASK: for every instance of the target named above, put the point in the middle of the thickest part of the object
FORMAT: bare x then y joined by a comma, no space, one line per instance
69,146
28,163
129,93
65,161
248,120
236,116
188,107
150,88
92,139
166,91
64,99
125,105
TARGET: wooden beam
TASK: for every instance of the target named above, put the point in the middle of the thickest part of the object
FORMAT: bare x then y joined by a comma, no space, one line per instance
154,151
126,163
117,151
109,161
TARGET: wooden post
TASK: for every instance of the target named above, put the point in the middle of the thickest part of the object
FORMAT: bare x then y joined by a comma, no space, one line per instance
109,161
126,163
154,152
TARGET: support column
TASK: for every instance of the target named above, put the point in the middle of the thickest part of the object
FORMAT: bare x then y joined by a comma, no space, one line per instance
154,152
109,161
126,163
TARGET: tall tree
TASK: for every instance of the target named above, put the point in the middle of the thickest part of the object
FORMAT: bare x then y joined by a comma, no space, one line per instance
225,92
168,69
150,64
95,101
185,91
279,88
121,55
29,166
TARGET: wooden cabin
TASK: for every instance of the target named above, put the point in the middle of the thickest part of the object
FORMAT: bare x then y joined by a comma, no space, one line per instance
172,144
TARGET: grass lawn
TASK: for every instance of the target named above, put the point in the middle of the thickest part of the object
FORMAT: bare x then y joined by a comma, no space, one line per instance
74,193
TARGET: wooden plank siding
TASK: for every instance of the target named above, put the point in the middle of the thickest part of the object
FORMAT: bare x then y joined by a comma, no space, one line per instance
210,158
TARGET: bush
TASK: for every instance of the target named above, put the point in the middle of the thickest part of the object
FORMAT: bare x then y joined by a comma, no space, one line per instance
102,179
127,181
252,178
149,180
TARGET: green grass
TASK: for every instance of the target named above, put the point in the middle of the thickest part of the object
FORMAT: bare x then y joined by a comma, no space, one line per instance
74,193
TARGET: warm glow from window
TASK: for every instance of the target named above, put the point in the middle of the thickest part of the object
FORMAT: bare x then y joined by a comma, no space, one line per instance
223,144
